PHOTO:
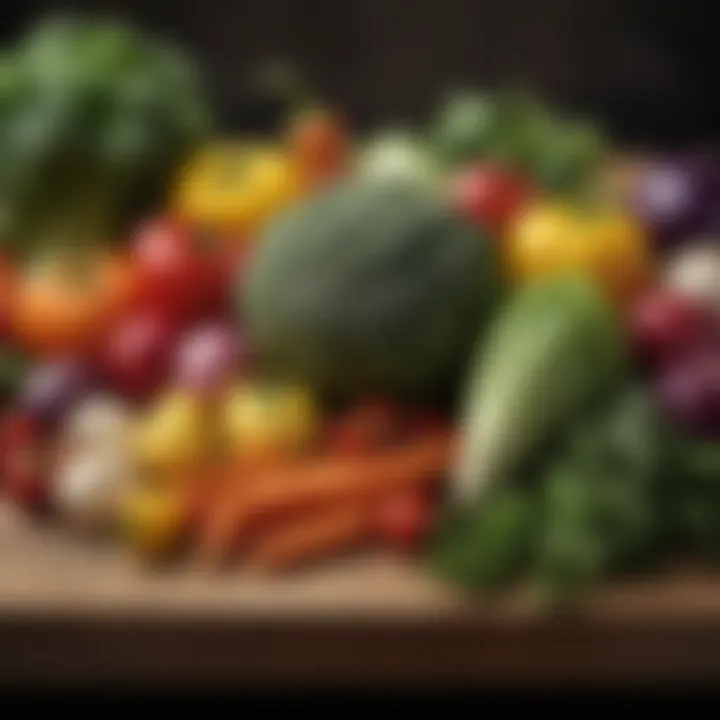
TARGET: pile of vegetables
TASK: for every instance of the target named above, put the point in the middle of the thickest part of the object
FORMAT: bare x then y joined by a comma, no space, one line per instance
449,340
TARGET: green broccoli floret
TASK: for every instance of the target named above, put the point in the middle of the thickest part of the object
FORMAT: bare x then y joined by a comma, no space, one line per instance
95,115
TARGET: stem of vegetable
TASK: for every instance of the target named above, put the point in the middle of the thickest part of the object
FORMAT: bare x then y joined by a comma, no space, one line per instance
286,82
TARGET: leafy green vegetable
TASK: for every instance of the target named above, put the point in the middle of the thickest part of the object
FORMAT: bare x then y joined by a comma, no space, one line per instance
490,545
555,346
473,125
691,497
590,509
520,131
600,497
567,154
572,552
466,127
94,116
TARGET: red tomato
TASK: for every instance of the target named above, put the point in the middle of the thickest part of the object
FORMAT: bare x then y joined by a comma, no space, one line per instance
180,272
137,352
403,520
425,421
664,324
367,427
489,195
22,471
7,292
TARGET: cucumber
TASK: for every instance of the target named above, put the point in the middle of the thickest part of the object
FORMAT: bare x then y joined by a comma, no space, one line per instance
553,348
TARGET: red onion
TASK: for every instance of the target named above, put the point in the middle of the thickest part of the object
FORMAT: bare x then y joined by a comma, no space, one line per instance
689,390
679,197
208,357
137,354
664,324
52,389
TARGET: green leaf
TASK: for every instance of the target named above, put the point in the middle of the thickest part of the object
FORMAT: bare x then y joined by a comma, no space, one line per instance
568,155
466,127
488,547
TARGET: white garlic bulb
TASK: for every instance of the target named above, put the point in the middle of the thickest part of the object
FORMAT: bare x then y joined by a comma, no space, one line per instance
87,487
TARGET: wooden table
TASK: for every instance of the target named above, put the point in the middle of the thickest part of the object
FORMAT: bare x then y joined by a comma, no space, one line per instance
74,613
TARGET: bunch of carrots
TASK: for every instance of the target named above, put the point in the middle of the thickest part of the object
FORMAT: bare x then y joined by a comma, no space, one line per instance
367,483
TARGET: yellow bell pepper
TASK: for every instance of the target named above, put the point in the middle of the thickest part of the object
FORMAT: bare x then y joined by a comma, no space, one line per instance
269,421
603,243
234,188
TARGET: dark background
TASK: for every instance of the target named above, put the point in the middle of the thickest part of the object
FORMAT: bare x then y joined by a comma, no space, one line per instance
645,67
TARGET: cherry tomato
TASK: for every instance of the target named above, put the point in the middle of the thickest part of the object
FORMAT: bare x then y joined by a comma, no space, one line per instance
489,195
137,352
62,304
369,426
320,145
379,423
403,520
664,324
181,272
428,421
22,462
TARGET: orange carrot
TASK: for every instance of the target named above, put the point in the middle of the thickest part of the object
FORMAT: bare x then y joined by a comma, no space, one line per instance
341,478
322,533
223,523
275,492
221,530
